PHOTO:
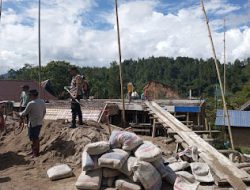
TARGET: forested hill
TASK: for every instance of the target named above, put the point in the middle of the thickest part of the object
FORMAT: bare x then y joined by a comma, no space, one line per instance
182,74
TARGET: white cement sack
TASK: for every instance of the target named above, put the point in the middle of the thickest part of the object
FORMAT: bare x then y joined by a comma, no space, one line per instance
125,140
126,184
113,159
59,172
128,165
177,166
148,175
186,175
183,184
89,180
201,172
97,147
114,140
107,172
89,162
166,172
148,152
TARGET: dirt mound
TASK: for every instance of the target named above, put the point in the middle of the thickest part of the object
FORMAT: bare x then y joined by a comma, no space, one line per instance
58,142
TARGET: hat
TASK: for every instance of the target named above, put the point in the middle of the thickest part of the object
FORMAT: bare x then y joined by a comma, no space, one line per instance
33,92
201,172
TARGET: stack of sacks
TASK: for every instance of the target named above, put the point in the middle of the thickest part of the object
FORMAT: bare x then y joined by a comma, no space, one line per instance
125,162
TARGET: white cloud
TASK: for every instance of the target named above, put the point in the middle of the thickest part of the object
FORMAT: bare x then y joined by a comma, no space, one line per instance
144,32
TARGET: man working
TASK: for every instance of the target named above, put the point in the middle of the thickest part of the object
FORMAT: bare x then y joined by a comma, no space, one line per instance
130,90
36,110
76,94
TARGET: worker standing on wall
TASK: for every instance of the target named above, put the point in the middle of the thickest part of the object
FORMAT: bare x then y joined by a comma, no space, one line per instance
130,90
76,94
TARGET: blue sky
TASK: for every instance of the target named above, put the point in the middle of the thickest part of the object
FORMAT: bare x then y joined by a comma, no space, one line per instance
84,31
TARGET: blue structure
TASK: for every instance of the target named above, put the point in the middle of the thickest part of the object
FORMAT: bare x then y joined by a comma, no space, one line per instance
190,109
237,118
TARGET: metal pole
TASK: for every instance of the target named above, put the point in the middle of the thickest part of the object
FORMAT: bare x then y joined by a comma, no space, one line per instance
120,64
218,74
39,46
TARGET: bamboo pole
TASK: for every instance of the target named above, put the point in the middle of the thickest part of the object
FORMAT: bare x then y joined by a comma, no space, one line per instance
1,5
39,46
218,74
224,56
224,80
120,63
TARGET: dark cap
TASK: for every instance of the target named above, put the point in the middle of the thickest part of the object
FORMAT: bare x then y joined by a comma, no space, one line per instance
33,92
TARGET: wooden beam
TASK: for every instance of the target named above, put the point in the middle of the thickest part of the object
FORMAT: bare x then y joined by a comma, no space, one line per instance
220,164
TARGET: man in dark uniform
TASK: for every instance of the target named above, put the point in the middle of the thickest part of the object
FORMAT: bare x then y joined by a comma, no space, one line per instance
76,94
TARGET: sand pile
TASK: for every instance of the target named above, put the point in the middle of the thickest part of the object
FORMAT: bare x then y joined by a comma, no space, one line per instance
58,142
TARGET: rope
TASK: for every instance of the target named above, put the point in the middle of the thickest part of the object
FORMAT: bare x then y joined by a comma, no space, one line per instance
218,74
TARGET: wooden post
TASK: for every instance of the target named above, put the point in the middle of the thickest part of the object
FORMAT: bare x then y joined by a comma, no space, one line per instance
206,125
120,63
218,75
153,131
198,119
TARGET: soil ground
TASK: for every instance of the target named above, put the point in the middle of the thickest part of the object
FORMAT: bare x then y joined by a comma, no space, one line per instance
59,144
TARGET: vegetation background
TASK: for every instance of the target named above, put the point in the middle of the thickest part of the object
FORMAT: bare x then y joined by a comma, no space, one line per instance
182,74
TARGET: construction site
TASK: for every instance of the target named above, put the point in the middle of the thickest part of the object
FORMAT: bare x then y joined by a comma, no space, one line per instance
159,140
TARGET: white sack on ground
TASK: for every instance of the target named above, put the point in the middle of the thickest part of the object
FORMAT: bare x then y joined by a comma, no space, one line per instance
177,166
113,159
128,165
201,172
147,175
97,147
148,152
183,184
107,172
89,180
125,140
126,184
166,172
59,172
89,162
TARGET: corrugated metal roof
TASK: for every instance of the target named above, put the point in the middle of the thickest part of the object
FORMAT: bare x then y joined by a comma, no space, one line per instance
237,118
11,90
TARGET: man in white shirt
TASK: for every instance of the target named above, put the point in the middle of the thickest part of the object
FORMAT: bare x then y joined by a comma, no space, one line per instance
36,110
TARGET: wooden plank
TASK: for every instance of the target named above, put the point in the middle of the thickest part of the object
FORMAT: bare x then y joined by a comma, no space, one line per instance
141,130
221,165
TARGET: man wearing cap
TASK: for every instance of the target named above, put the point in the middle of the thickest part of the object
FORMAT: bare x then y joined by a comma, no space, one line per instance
36,110
24,98
76,95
